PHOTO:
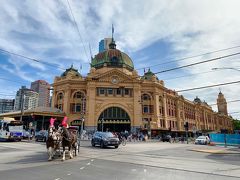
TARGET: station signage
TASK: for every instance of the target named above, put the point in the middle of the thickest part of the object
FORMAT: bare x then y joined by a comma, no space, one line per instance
76,123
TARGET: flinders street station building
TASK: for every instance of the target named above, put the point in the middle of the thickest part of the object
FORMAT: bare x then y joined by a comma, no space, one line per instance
113,96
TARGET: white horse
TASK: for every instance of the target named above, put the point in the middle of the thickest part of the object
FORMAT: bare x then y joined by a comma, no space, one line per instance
53,142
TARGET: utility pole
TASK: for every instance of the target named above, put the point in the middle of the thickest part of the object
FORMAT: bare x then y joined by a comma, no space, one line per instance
82,121
149,129
83,100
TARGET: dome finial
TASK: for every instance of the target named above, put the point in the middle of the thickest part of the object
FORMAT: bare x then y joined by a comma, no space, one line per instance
112,45
112,32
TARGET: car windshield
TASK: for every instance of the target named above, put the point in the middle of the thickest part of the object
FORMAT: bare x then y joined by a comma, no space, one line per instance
108,134
201,137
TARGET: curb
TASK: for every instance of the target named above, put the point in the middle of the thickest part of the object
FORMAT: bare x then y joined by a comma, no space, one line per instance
214,151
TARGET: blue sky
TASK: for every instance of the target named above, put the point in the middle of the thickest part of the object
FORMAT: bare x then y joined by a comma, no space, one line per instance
151,32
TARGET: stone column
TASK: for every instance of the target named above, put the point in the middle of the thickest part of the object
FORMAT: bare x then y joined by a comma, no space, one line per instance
66,100
156,110
204,119
90,118
165,109
136,122
178,117
53,101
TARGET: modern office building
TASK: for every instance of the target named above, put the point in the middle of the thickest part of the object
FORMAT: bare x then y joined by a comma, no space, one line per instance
43,89
26,97
104,44
6,105
114,96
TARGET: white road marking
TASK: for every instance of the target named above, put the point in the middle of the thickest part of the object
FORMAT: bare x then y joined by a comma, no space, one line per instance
68,174
57,179
88,163
145,170
82,168
133,170
92,160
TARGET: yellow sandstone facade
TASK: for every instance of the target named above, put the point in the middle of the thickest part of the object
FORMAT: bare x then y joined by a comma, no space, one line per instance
113,94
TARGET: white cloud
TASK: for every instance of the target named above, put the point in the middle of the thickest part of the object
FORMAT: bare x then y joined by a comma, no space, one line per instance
44,30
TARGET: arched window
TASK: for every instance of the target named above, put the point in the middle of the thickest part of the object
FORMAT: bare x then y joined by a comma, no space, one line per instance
59,104
147,104
79,95
146,97
78,104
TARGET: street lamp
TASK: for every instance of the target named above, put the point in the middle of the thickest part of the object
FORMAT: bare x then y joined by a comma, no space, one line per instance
226,68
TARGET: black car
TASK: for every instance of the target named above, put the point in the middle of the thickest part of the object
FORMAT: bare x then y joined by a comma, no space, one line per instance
105,139
41,136
166,138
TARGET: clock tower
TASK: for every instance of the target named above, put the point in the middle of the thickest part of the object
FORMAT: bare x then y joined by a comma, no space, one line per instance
222,104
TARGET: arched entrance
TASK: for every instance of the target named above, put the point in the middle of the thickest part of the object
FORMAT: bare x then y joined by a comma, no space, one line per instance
114,119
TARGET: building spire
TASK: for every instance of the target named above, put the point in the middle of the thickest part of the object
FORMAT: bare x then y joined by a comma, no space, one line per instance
112,45
112,33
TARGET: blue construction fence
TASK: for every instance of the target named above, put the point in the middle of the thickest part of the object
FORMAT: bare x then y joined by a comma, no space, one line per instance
231,139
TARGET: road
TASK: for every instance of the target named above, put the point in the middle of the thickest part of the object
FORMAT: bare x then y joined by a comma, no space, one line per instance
140,160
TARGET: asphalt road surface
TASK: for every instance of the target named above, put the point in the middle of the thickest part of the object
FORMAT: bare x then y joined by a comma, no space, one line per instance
140,160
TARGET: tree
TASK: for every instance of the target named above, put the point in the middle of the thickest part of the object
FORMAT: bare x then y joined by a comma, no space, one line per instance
236,124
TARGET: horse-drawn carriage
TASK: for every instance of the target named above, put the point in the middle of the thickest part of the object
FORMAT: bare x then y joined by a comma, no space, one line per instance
60,138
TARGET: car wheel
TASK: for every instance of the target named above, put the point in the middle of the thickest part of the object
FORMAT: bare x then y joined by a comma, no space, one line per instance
101,144
93,144
116,147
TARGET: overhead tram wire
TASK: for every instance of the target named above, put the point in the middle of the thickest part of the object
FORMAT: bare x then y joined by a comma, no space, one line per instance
78,31
32,59
204,87
205,72
237,112
227,102
201,62
188,75
190,57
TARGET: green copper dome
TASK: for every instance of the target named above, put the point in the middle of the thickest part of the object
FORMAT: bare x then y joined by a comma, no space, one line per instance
148,75
112,57
72,71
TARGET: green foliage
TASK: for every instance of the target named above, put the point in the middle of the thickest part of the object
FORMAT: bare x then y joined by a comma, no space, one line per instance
236,124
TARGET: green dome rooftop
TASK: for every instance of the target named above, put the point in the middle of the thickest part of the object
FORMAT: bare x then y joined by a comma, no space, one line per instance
112,57
72,71
148,75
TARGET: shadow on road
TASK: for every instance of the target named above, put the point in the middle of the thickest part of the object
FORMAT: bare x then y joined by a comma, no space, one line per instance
233,159
35,158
